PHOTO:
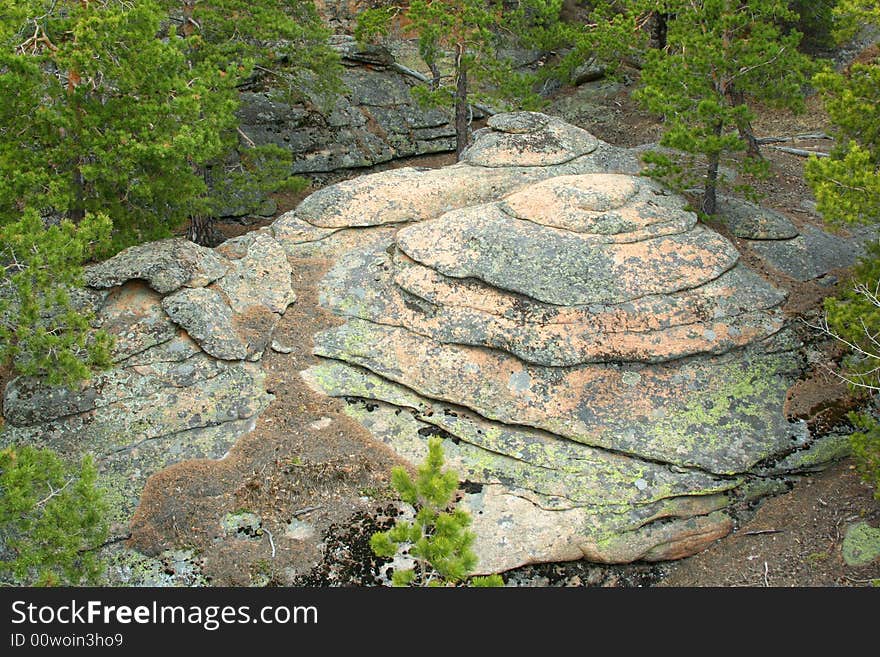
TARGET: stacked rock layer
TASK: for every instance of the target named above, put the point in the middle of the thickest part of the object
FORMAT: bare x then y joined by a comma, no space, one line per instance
606,374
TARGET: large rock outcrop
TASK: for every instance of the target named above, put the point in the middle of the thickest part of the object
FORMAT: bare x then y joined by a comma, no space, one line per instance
374,120
189,325
607,376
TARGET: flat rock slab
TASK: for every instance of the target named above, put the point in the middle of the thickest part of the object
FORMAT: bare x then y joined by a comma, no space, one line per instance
561,267
206,317
737,291
166,265
812,254
409,194
490,171
133,314
752,222
138,420
528,139
261,278
289,228
563,473
723,414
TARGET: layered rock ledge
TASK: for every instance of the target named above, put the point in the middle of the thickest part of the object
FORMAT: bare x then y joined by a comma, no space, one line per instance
189,324
607,376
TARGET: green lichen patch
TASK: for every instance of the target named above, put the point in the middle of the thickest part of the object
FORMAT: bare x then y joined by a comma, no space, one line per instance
861,544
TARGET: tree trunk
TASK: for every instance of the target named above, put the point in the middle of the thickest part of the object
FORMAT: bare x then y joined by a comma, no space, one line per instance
77,210
461,104
660,29
202,231
202,228
709,202
745,127
435,75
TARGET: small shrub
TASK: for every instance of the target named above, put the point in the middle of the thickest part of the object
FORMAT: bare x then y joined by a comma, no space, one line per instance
438,538
52,517
43,332
865,445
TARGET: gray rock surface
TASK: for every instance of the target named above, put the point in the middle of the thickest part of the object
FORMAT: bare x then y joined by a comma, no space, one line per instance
561,267
166,265
184,319
810,255
528,139
376,119
732,310
752,222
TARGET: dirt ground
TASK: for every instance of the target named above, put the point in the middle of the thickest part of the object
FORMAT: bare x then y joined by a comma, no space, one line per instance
320,483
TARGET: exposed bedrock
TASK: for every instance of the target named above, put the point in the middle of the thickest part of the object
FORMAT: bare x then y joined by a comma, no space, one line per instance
189,324
607,376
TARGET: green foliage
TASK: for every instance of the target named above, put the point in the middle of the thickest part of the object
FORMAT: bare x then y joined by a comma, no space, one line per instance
721,55
854,319
51,519
464,44
99,115
865,445
42,332
847,184
851,16
438,537
816,20
114,110
229,43
847,190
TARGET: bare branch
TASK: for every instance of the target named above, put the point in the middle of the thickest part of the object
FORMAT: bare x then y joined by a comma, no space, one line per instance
801,152
53,493
793,138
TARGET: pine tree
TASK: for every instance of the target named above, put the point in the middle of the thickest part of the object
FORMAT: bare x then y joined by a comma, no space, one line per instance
98,115
847,184
720,56
97,133
463,44
52,519
437,539
847,190
112,118
43,331
230,43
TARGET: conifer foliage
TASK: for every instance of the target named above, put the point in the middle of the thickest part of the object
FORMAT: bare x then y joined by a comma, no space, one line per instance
465,43
228,44
720,55
847,184
99,115
43,331
118,125
51,520
847,190
437,539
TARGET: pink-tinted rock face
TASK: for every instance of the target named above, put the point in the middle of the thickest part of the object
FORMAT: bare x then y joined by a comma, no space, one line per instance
616,207
600,363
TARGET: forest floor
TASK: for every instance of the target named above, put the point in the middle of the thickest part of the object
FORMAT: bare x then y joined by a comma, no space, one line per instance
319,482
